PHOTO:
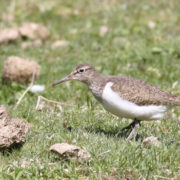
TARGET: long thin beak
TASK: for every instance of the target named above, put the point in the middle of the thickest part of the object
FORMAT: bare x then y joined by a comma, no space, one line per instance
67,78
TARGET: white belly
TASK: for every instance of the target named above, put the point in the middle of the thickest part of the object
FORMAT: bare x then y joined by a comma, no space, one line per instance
113,103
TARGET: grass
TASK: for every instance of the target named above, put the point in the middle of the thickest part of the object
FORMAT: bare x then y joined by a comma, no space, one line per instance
130,47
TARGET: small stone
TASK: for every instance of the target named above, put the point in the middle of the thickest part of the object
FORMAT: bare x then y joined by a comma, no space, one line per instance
25,163
103,31
59,43
33,44
33,31
168,171
69,150
20,70
37,88
76,12
151,24
9,35
152,140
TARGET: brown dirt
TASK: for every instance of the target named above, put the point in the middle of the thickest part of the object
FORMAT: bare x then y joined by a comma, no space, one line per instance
20,70
33,31
12,131
9,35
152,140
69,150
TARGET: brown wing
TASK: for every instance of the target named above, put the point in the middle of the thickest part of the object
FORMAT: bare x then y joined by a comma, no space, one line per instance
142,93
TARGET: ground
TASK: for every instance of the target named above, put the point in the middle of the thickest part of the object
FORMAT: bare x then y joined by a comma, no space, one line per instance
142,40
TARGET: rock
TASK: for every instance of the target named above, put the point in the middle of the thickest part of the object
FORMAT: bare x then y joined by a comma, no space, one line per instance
33,44
33,31
20,70
12,131
69,150
59,43
19,123
103,31
152,141
9,35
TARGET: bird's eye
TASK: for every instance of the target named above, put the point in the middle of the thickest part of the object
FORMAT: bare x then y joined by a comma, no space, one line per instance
81,70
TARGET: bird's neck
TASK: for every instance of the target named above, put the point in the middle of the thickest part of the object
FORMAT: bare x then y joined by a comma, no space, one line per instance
96,85
94,79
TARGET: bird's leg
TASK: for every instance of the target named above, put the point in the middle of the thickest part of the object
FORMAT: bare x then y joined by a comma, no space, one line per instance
130,126
135,126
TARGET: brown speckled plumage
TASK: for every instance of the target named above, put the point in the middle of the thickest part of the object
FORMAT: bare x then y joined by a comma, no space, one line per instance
142,93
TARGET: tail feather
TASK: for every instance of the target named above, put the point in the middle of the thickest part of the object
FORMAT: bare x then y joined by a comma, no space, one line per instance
175,101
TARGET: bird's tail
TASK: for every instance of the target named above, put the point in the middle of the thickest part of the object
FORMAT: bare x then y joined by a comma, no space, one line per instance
176,101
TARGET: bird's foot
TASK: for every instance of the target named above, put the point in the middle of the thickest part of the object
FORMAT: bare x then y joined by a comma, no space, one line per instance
130,126
134,126
133,133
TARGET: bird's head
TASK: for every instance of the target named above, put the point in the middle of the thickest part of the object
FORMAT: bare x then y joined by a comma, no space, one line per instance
83,73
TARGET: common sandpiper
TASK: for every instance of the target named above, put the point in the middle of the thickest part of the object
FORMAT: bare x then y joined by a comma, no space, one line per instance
124,96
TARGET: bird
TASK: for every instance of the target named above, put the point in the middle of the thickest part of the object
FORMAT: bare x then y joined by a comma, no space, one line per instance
124,96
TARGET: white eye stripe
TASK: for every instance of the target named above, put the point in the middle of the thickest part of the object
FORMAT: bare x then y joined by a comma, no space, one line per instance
81,70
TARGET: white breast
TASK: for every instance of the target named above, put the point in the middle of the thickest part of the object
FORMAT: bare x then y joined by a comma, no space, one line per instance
113,103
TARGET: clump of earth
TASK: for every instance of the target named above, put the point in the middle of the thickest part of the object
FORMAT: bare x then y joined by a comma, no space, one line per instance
13,131
20,70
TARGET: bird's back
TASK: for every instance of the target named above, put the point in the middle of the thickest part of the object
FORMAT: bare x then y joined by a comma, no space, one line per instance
141,93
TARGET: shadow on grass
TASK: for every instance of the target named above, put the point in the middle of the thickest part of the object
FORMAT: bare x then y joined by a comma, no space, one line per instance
8,151
113,132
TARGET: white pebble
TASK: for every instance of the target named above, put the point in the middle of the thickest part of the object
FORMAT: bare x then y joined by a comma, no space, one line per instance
37,88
